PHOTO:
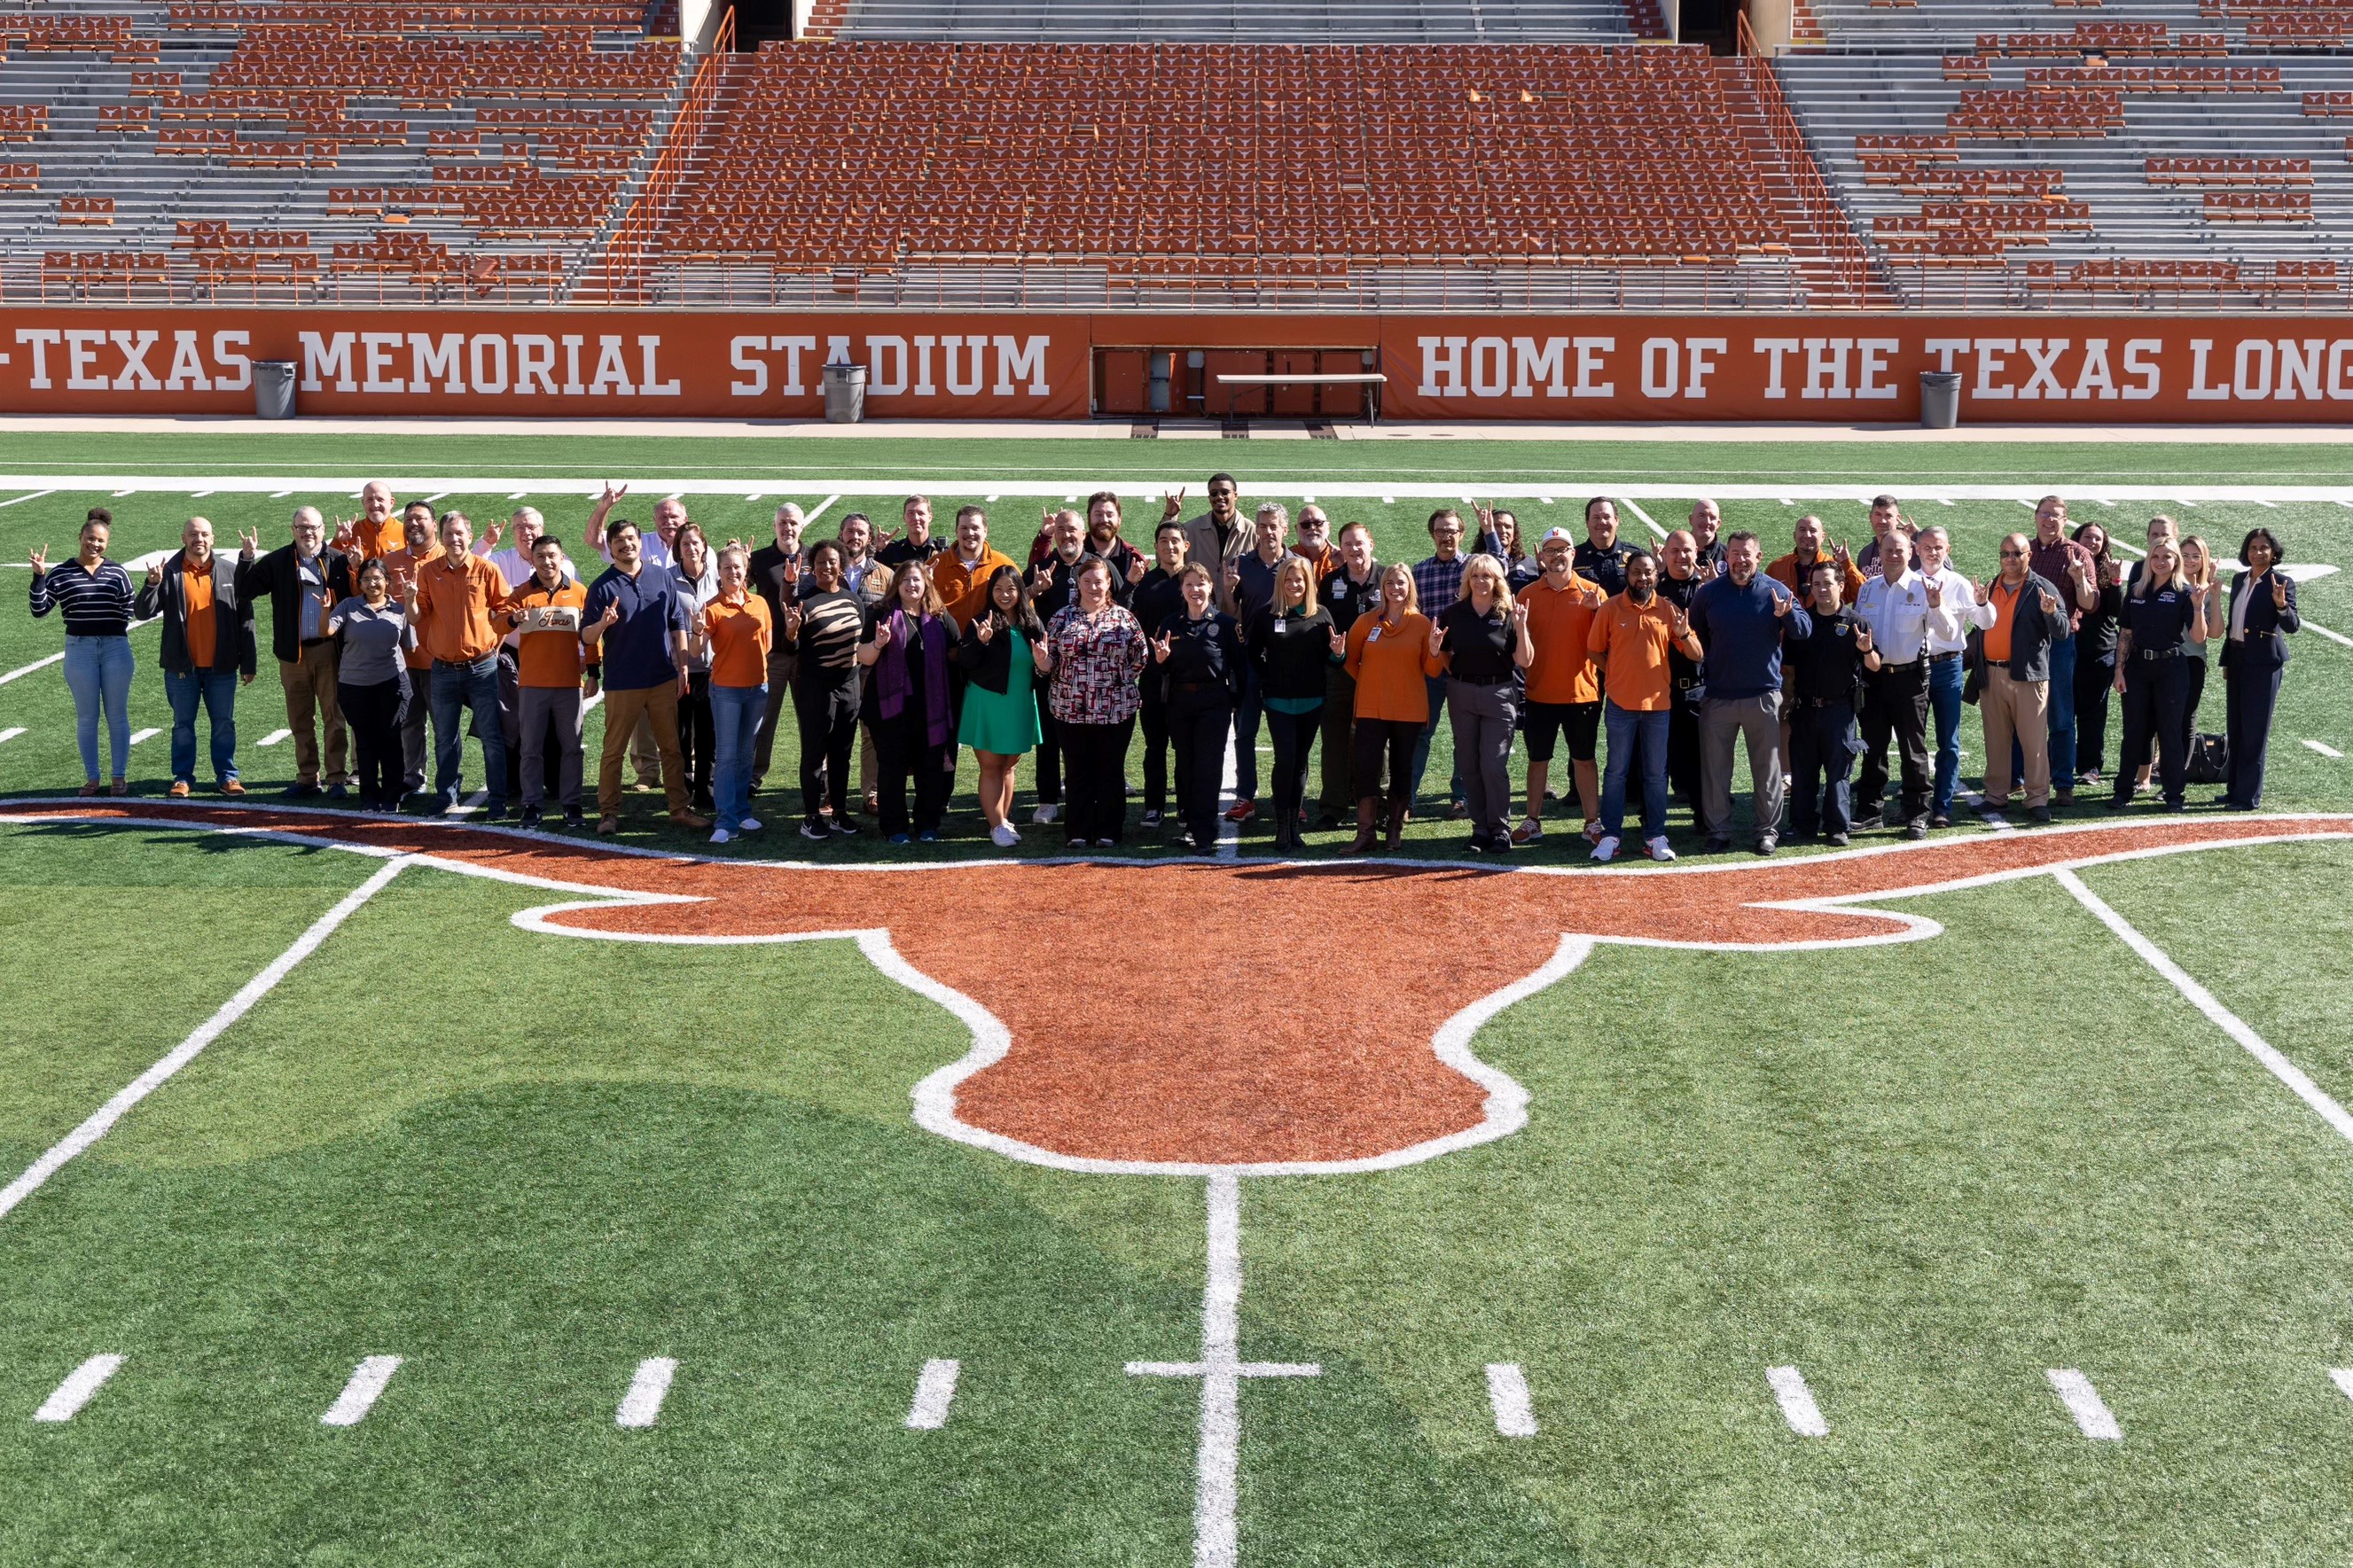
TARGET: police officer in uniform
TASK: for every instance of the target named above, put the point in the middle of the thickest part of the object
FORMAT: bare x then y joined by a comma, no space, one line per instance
1602,557
1353,589
2162,617
1827,665
1682,571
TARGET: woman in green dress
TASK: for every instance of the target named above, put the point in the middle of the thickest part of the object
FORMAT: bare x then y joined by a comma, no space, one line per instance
1002,652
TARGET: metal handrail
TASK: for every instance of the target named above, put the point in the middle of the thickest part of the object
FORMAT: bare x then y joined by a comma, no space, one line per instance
1849,262
622,269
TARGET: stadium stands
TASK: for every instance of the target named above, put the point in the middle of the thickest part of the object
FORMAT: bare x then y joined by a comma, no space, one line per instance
363,149
1240,21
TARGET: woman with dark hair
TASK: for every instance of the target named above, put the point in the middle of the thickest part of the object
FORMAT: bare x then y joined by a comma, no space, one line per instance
1198,660
2254,653
2164,615
909,639
1097,651
95,596
824,630
1390,661
1292,648
1003,655
695,578
371,681
2095,655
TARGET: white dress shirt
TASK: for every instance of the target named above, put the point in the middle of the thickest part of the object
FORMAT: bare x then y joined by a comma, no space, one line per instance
1949,623
1897,614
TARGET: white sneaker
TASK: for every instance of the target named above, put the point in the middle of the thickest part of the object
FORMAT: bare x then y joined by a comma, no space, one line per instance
1003,835
1044,814
749,824
1659,850
720,836
1606,847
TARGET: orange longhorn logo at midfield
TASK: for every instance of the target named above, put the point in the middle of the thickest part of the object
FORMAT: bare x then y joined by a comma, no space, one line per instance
1215,1047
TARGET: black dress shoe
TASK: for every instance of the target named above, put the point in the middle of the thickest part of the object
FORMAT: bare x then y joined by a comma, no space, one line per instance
1941,819
528,819
1866,823
1716,843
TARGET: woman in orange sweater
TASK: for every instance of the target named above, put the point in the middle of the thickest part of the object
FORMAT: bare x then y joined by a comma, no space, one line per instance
1390,661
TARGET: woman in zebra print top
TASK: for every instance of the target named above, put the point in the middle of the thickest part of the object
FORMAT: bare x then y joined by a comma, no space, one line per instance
94,594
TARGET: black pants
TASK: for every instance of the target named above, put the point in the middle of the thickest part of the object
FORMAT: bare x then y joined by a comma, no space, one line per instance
1046,771
1152,715
1392,738
1682,750
2248,698
1097,755
827,712
1823,745
697,736
2095,679
374,714
415,740
2193,677
1895,704
1336,746
1294,737
901,747
2157,712
1197,733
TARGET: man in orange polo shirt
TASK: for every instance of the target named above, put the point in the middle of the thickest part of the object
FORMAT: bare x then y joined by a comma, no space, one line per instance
553,684
1564,692
400,570
1795,570
452,602
1632,634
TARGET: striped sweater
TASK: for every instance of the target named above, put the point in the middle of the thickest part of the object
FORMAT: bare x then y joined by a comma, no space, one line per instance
96,603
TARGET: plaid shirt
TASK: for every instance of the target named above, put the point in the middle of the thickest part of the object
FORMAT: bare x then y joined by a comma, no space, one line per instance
1438,584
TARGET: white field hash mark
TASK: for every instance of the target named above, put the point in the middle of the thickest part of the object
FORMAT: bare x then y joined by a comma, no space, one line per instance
76,1389
360,1394
1507,1394
643,1403
934,1391
2342,1376
2092,1415
103,1118
1797,1402
2331,752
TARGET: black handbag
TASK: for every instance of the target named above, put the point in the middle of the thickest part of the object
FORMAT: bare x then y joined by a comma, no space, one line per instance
2210,759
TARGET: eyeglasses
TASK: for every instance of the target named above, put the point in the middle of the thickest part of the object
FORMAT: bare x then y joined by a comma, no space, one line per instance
2013,555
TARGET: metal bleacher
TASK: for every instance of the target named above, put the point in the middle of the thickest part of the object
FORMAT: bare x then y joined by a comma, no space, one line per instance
1239,21
2146,155
306,152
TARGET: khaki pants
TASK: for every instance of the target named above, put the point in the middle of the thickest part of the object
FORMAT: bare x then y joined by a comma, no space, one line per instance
2015,711
645,756
310,683
657,706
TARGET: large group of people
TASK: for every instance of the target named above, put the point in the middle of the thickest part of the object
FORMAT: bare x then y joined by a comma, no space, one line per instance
902,646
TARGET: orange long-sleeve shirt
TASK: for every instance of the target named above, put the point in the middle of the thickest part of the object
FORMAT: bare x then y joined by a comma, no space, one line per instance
456,599
400,569
962,588
1391,669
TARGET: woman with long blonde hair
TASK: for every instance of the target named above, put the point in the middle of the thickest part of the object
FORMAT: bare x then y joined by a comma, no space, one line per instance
1483,639
1293,646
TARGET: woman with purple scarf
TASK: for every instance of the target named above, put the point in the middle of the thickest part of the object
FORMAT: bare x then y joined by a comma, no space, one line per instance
909,637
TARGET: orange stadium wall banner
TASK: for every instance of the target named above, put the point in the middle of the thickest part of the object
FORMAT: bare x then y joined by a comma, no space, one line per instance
1835,368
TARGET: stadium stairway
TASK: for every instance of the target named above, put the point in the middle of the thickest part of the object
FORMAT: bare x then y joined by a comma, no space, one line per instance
1945,26
1243,21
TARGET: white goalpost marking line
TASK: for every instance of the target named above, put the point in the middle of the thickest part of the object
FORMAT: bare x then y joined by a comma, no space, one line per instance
76,1389
2092,1415
1797,1402
642,1404
2230,1022
1507,1395
101,1121
934,1391
360,1394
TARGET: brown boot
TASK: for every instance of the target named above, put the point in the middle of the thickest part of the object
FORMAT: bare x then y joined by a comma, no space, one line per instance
1366,827
1400,810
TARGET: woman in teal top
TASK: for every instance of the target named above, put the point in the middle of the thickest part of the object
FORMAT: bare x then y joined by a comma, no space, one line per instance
1293,644
1003,652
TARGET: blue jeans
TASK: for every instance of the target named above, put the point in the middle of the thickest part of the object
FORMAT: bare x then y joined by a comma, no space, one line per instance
456,688
735,713
1944,709
1437,685
1246,717
2062,714
97,673
1628,731
216,688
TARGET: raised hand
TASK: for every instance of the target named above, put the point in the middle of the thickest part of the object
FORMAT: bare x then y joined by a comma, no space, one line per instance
986,630
792,570
1134,568
249,542
1041,578
490,535
1862,636
1519,615
1339,646
1233,576
1782,605
1839,554
2051,600
40,559
610,619
1591,596
610,497
1173,505
2111,573
156,572
792,620
1437,641
2198,595
345,535
2279,592
408,600
1161,647
1679,625
882,633
1936,593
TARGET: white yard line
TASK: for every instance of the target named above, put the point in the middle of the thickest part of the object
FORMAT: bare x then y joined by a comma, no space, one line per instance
1507,1395
76,1389
1217,1480
1797,1402
2092,1415
2339,638
360,1394
2342,1376
818,510
10,733
643,1403
19,501
103,1118
1229,834
139,735
2230,1022
934,1391
59,657
1648,521
2331,752
275,736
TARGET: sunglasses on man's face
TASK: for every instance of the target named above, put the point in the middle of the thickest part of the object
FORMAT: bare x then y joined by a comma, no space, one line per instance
2013,555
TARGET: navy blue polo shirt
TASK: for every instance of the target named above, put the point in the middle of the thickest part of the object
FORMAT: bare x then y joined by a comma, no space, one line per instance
636,648
1742,634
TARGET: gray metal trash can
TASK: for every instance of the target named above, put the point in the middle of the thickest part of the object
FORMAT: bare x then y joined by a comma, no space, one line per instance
273,388
1940,399
845,394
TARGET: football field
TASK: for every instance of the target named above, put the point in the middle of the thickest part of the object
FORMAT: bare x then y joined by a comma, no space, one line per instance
394,1192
